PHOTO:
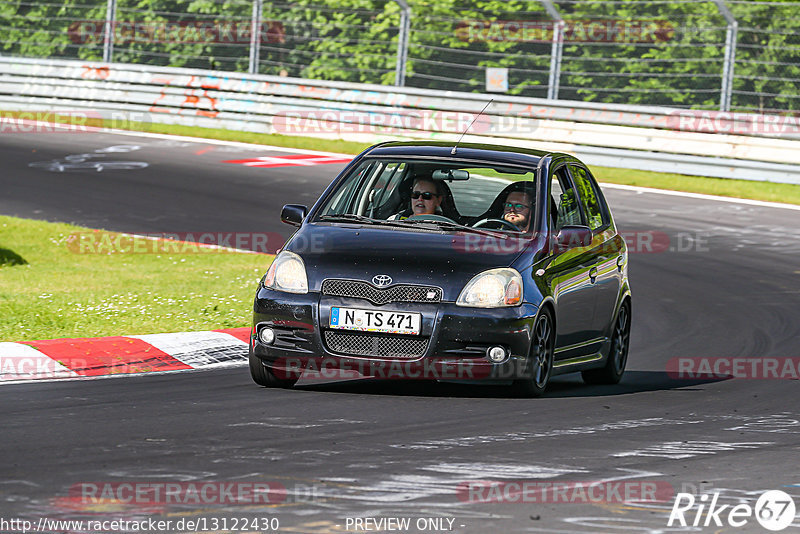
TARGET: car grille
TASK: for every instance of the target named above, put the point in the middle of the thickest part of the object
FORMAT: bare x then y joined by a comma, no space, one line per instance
375,346
396,293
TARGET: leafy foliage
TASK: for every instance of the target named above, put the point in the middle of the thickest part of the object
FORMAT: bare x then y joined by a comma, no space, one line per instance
625,51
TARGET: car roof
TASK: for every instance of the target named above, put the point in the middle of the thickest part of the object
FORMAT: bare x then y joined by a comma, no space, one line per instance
466,151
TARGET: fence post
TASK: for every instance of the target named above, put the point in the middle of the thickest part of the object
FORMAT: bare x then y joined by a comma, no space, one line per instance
255,37
556,50
402,42
108,37
730,56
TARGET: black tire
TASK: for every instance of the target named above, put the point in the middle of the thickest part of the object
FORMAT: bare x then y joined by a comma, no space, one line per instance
614,368
263,376
540,359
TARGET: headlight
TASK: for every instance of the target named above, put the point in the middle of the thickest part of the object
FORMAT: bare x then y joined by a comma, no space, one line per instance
495,288
287,273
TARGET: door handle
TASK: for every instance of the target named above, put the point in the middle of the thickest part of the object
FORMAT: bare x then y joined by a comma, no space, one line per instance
620,263
593,274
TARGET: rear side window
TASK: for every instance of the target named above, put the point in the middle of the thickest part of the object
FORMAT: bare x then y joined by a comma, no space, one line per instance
563,201
590,199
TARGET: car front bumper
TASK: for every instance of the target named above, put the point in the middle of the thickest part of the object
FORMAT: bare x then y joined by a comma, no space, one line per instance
452,344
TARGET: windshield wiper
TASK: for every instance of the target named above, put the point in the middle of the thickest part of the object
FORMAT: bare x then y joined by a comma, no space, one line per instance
455,226
352,217
349,217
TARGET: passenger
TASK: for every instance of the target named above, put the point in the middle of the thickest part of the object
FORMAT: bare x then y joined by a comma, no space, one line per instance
517,210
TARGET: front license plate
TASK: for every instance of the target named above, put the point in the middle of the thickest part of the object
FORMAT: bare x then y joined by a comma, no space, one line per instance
376,321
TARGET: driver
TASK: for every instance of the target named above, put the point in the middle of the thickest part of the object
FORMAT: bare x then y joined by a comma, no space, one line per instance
426,197
517,209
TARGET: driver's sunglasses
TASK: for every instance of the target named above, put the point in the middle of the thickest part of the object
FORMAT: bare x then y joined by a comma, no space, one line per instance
515,207
427,195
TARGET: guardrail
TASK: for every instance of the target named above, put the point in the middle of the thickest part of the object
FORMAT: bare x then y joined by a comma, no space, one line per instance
702,143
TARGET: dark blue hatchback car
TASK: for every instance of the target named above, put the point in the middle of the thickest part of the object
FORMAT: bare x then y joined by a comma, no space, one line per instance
425,260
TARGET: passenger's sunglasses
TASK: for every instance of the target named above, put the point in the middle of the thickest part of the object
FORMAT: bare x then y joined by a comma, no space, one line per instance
427,195
515,207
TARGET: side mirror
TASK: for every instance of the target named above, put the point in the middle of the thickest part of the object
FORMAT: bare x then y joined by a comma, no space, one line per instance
293,214
574,236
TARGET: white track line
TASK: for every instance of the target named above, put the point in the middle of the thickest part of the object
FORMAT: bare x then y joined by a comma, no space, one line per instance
221,142
760,203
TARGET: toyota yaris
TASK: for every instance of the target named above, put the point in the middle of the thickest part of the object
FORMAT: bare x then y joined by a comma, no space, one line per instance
425,260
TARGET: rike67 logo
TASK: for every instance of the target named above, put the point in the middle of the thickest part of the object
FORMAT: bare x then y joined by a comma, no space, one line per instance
774,510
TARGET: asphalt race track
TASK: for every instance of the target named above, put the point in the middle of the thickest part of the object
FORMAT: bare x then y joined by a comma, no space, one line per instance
723,282
185,187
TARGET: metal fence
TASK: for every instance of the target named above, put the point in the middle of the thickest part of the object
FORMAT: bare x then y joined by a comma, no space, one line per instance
703,54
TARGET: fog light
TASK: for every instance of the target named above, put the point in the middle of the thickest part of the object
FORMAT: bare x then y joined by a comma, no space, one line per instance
496,354
266,336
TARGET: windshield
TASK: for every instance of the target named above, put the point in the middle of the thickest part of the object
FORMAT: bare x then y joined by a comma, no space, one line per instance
396,191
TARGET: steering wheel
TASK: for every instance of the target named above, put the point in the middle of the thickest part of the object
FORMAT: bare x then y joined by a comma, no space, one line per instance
502,222
430,217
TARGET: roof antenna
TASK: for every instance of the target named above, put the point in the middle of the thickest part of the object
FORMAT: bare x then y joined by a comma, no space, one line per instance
453,152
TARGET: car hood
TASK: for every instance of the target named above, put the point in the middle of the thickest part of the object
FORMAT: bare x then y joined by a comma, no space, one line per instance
446,260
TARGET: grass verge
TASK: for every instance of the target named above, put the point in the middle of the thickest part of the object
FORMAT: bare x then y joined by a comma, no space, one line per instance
49,291
768,191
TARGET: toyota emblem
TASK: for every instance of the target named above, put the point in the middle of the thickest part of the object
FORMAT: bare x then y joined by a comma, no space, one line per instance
382,280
